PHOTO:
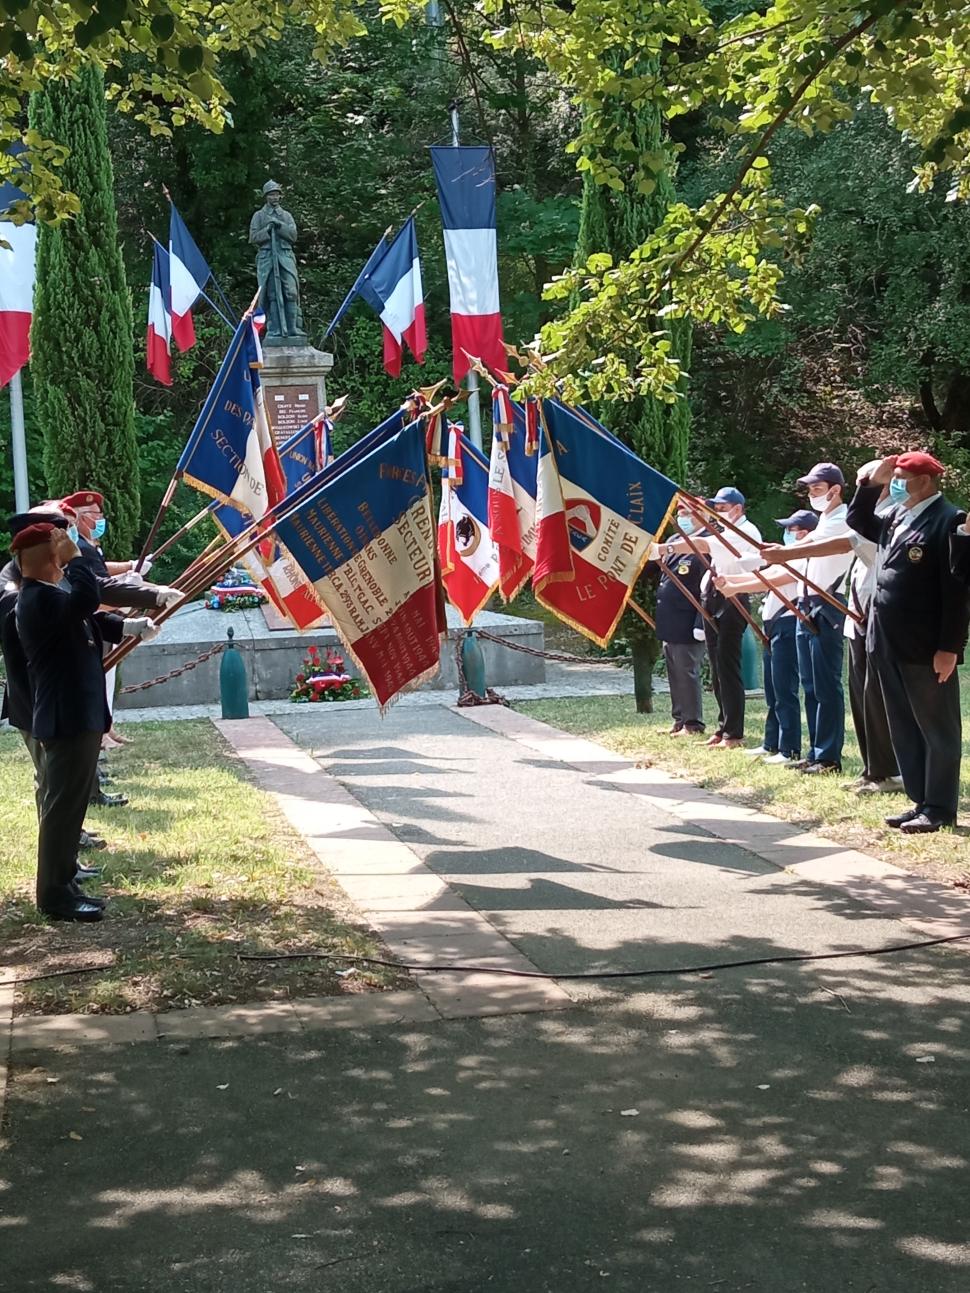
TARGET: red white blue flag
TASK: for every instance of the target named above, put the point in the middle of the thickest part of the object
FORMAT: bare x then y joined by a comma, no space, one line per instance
231,454
553,561
466,195
614,505
468,556
366,541
158,339
188,275
391,285
512,484
17,261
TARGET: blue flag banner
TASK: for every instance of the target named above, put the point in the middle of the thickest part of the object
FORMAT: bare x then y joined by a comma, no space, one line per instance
373,260
230,449
615,505
366,541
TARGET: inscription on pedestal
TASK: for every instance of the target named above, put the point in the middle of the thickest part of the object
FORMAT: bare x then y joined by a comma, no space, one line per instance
291,407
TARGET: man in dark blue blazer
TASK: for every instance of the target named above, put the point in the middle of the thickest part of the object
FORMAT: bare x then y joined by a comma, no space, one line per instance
917,631
61,637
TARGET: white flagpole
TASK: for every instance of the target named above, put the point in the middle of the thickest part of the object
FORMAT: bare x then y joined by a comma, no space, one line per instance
18,444
474,409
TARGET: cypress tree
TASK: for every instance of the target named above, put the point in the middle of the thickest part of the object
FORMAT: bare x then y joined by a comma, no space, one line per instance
82,355
617,222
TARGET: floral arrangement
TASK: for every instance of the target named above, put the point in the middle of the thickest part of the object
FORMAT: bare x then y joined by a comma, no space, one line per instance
235,592
325,680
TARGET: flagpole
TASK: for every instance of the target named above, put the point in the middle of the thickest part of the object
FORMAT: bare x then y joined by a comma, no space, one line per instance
18,444
474,406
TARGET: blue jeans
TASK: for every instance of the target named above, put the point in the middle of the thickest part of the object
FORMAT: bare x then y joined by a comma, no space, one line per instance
783,725
820,665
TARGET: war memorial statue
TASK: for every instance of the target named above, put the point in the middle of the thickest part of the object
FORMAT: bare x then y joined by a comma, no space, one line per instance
273,232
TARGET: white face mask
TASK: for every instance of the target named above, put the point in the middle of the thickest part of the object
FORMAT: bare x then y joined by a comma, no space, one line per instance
819,502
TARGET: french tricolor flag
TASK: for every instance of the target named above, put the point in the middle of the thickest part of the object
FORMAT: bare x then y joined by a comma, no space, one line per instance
512,486
16,285
394,291
468,555
188,275
158,340
466,194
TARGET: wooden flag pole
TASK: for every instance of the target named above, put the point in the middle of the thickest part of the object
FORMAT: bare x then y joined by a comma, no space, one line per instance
700,508
705,562
638,610
685,591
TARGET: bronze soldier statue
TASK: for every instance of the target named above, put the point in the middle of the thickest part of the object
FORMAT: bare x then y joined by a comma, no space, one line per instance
273,232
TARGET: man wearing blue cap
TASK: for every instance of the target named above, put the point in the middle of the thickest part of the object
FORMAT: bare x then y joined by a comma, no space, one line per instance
820,653
731,554
782,744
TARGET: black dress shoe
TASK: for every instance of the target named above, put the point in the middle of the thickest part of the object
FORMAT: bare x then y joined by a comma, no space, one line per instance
78,893
89,841
898,820
102,800
818,769
86,872
799,765
77,909
926,824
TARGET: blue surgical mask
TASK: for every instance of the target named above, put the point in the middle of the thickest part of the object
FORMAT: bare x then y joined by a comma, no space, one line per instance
898,490
99,528
72,533
789,538
686,524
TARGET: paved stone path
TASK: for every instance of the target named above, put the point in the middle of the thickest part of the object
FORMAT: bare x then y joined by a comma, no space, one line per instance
777,1128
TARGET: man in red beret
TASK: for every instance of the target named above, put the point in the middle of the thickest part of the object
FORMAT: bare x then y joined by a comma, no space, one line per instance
61,638
917,631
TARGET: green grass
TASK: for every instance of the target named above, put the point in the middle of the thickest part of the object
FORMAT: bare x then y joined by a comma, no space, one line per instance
817,803
200,866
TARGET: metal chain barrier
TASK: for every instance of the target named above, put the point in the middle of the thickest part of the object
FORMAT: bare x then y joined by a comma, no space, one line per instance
466,696
560,656
175,673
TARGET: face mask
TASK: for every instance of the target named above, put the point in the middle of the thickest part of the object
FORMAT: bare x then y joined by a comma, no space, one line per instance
898,490
686,524
99,528
819,503
72,533
789,538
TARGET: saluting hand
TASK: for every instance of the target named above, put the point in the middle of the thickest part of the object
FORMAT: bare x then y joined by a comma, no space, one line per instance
884,472
64,547
944,662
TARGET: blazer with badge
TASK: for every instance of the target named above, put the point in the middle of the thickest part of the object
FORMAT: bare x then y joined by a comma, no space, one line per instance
61,637
114,589
918,606
18,694
676,618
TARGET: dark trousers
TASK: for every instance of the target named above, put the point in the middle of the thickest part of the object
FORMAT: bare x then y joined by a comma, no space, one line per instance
869,714
36,752
924,722
724,650
820,666
684,679
783,725
70,766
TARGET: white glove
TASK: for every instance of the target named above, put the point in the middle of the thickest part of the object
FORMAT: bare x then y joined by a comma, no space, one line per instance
142,628
166,596
653,552
700,635
750,563
146,565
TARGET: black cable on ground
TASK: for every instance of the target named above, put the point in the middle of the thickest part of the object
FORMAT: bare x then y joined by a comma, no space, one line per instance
546,974
599,974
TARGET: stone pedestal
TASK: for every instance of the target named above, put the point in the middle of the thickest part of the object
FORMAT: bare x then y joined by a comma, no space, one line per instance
294,386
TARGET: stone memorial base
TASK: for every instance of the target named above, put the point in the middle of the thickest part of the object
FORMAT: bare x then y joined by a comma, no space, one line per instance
273,657
294,386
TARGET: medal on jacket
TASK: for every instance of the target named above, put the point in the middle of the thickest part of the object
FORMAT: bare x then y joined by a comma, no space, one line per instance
915,554
683,569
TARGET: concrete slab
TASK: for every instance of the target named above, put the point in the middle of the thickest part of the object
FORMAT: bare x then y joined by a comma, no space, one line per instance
365,1010
6,1032
257,1019
41,1032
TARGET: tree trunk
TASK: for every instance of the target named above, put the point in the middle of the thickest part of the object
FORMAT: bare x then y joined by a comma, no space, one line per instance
644,655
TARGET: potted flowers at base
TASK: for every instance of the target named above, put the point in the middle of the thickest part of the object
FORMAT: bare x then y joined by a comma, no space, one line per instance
325,680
